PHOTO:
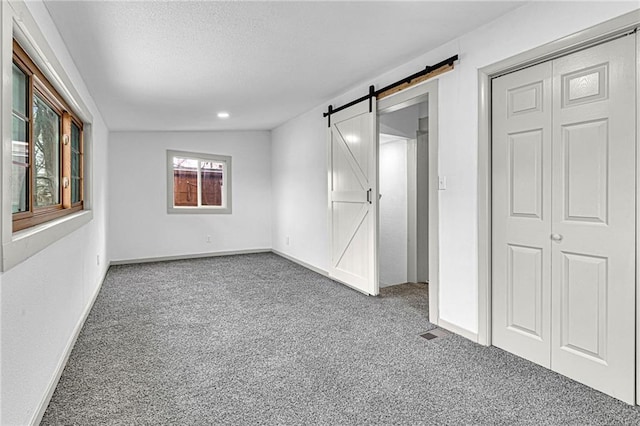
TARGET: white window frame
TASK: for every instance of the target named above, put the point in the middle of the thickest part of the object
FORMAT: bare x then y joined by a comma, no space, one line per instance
200,209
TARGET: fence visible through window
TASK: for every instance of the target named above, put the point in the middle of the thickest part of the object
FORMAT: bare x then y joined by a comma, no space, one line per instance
199,182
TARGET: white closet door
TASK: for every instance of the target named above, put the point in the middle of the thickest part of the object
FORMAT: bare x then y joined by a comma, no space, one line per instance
593,230
353,197
522,213
564,208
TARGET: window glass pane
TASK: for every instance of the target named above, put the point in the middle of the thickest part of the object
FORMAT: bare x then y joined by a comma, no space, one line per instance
76,158
19,189
46,150
75,190
211,179
75,165
75,138
19,145
19,91
185,182
19,129
19,176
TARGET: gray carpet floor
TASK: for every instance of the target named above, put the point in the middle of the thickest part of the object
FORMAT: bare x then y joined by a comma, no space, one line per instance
256,339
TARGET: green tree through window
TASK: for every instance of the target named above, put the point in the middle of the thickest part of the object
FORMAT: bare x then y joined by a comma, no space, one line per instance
46,144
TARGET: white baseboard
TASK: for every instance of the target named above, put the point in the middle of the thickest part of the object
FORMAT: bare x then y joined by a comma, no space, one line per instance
301,263
188,256
458,330
62,363
216,254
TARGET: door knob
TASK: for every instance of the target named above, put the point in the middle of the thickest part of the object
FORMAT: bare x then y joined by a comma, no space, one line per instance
556,237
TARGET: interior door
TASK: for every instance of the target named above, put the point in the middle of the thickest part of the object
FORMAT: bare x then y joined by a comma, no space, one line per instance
353,200
521,163
564,185
593,230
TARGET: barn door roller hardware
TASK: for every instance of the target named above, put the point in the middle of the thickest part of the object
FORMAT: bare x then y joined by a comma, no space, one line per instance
425,74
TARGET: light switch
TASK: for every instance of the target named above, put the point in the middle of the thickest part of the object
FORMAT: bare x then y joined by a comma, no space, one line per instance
442,183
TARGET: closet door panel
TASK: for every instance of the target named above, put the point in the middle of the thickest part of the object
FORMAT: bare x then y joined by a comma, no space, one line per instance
593,229
521,247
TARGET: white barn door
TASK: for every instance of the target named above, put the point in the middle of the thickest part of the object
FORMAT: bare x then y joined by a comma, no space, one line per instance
564,174
353,200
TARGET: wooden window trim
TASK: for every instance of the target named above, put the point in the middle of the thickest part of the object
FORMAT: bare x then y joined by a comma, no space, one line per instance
35,71
38,84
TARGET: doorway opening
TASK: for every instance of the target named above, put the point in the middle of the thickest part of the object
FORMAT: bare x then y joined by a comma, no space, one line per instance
354,197
403,221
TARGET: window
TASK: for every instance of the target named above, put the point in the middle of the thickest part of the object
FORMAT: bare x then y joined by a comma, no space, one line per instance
198,183
47,149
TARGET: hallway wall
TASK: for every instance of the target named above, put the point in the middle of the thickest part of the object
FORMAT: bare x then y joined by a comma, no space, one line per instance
393,213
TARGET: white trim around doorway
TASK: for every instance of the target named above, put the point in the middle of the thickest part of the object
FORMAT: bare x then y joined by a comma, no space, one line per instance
407,97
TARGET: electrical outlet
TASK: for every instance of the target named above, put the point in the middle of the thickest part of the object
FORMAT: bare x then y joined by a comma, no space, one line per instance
209,239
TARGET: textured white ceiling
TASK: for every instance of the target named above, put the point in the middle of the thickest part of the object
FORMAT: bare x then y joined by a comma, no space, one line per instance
173,65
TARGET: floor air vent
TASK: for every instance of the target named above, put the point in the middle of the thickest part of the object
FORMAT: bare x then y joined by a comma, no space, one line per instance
435,333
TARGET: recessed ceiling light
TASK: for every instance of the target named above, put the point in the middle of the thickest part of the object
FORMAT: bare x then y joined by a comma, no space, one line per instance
223,114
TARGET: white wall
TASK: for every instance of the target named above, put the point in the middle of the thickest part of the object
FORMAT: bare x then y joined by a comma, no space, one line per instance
140,226
403,122
393,213
299,188
43,298
299,147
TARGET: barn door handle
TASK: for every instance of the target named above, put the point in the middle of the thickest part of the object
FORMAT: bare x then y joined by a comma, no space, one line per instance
369,195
